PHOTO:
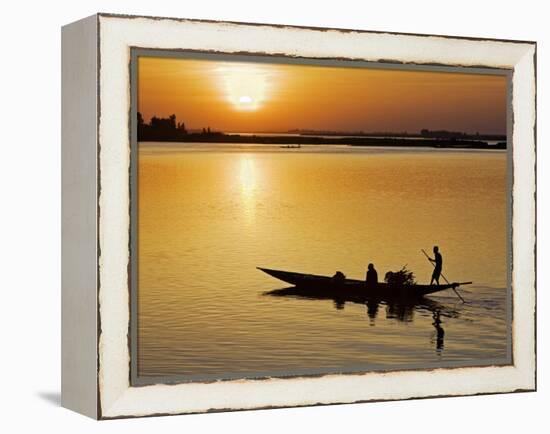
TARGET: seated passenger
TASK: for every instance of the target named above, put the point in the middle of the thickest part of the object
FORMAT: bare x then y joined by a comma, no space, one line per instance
372,277
339,277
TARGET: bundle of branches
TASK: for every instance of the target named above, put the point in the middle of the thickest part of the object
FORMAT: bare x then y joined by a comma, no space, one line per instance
400,278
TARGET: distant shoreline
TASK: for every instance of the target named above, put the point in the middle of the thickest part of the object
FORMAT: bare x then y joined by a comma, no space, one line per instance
305,140
170,130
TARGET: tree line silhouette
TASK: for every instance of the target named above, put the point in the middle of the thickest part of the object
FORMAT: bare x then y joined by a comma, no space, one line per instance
170,130
424,133
444,134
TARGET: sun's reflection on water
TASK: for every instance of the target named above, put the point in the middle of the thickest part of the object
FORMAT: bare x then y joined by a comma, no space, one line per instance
248,180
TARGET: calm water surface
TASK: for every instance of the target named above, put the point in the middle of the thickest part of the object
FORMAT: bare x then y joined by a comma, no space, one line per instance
210,214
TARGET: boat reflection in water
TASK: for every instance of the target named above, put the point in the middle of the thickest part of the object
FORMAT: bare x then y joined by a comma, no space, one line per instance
402,310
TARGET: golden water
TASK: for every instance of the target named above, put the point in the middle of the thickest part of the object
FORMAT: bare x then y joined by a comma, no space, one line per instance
210,214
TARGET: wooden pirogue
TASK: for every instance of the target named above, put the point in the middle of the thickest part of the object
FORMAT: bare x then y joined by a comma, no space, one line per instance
312,285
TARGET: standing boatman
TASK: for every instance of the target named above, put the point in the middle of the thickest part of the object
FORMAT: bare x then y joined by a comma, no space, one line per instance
438,261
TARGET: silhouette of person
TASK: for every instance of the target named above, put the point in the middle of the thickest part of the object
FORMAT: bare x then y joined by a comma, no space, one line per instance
438,261
439,332
339,277
372,277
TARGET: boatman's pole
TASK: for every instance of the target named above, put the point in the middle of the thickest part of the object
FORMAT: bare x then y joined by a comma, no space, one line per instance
449,283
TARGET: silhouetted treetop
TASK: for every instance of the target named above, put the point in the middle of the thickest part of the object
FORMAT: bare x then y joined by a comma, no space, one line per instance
169,130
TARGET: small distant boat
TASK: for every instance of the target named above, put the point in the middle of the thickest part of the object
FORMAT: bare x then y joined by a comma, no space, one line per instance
312,285
291,146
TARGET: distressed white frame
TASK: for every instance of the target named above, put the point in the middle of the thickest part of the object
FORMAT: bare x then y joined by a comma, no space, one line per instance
116,397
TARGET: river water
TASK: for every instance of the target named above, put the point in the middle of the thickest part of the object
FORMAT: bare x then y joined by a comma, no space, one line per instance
209,214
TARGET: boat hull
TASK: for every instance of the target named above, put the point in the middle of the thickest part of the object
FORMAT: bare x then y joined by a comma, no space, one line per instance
311,285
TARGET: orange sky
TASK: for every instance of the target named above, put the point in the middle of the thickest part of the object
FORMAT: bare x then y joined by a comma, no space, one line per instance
260,97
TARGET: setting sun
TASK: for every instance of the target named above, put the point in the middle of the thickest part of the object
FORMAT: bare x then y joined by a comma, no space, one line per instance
245,101
246,86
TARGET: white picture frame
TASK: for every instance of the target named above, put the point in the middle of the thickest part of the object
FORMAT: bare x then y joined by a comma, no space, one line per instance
96,51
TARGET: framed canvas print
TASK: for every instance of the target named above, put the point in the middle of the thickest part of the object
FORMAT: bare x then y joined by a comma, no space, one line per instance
261,216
